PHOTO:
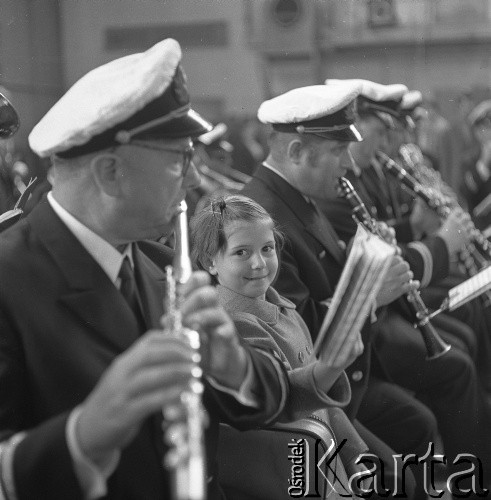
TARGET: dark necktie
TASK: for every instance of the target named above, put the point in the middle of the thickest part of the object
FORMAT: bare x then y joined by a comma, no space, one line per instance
329,236
129,290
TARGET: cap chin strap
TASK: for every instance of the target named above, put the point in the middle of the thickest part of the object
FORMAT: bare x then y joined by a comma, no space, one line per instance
125,136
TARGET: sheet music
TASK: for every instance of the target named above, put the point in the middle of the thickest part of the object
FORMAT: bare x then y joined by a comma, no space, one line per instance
360,281
469,289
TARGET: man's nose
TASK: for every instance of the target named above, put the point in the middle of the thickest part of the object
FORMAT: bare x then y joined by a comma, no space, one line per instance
346,160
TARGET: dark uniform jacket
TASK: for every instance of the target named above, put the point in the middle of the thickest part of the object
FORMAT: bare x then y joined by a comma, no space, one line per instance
62,323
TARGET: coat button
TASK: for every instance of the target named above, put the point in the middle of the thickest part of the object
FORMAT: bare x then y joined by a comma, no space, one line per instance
357,375
309,350
301,356
342,245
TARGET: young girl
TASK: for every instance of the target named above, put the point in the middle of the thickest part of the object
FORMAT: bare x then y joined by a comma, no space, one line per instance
235,240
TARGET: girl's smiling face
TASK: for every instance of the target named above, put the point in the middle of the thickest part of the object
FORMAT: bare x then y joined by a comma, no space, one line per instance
248,263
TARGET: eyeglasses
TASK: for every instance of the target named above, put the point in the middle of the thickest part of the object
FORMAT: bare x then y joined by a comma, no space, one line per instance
187,154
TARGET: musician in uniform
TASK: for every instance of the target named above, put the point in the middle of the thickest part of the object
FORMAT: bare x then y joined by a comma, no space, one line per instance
85,368
380,112
476,187
9,124
430,246
312,128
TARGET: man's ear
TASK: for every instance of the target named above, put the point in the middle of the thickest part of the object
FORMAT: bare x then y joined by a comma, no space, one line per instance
106,169
294,150
212,269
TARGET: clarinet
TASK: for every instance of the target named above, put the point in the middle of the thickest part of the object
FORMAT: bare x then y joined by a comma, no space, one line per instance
435,345
471,257
186,457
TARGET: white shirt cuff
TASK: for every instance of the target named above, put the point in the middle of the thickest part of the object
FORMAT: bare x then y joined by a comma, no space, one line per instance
244,395
92,478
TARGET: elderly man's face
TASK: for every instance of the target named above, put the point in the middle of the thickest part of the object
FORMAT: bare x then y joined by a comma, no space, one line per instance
324,161
154,186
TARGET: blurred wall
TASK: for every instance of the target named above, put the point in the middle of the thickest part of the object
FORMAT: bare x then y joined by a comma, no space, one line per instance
30,62
239,52
438,46
221,78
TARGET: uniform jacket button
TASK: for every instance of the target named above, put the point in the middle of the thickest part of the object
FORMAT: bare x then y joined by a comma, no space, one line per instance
309,350
301,356
357,375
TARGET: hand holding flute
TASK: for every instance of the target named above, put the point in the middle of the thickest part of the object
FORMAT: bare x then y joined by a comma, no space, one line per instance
154,372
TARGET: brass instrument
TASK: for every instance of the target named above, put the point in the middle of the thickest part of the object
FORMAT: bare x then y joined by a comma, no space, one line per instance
477,254
187,457
435,345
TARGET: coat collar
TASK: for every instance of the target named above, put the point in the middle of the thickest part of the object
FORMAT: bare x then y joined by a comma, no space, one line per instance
90,294
315,223
266,310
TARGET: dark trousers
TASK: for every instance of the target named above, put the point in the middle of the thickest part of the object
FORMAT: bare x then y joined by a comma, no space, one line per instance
394,422
448,385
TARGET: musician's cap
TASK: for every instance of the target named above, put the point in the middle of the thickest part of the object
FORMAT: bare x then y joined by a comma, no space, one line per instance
481,114
410,101
377,99
328,111
9,119
140,96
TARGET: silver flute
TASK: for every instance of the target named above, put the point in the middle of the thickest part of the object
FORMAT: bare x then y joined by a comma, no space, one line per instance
185,422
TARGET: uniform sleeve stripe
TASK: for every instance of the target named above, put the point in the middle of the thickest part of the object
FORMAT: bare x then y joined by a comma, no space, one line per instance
425,254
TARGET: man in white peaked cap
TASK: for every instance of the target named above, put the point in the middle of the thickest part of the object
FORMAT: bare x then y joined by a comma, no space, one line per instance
312,129
85,369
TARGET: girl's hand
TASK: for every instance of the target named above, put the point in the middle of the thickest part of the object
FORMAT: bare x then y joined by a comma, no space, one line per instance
326,373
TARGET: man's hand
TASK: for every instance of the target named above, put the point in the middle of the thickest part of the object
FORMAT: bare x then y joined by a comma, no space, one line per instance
423,219
456,231
397,282
141,381
387,233
223,358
